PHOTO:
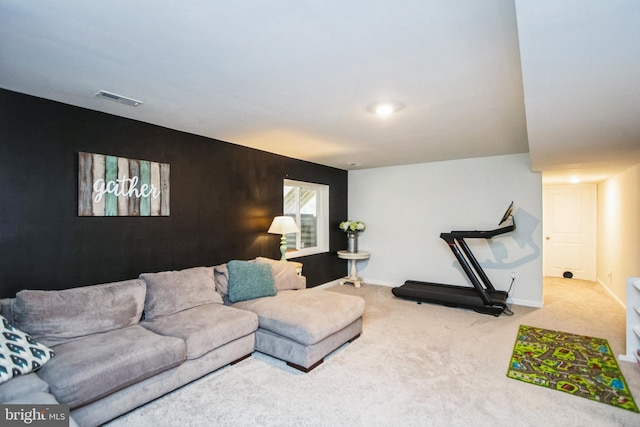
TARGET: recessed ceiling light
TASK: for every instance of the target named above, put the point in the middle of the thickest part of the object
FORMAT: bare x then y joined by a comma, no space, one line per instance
118,98
574,180
385,108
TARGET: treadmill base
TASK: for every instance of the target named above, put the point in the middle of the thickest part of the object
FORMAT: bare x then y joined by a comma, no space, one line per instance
452,296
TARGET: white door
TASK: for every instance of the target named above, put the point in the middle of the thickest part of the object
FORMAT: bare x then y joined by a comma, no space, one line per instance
569,226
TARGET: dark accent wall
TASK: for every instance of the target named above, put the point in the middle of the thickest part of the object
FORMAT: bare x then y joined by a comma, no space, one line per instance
223,198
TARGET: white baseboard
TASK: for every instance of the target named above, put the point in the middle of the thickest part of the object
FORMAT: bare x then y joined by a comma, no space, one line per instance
628,358
364,282
382,283
516,301
606,288
526,303
327,285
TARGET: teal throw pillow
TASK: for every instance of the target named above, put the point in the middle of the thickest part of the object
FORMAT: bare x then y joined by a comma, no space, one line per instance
249,280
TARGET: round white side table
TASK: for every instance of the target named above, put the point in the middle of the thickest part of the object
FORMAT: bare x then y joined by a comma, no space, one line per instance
353,257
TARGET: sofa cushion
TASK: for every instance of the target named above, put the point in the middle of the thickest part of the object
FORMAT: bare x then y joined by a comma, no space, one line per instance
285,275
22,385
19,353
306,316
169,292
55,317
206,327
90,368
37,398
249,280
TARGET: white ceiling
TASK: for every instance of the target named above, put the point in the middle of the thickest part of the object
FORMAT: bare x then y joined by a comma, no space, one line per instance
295,77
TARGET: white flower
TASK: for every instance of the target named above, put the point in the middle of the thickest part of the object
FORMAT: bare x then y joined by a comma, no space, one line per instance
352,226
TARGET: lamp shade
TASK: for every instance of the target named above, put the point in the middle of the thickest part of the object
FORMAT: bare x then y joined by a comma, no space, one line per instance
283,225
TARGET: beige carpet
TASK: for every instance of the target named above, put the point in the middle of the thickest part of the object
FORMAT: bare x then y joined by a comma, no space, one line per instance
414,365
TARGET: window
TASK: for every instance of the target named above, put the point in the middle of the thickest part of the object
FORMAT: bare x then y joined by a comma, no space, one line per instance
308,205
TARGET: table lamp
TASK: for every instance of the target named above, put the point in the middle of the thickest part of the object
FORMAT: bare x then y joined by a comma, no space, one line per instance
283,225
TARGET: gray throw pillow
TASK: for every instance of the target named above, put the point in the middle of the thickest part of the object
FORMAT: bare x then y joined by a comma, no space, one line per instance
285,274
170,292
221,275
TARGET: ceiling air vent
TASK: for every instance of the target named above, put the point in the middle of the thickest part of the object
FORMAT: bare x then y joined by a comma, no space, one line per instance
118,98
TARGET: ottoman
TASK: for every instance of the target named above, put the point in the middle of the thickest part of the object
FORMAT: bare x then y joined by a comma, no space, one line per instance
301,327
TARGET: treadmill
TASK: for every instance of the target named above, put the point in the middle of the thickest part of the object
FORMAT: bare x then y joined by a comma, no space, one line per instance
482,297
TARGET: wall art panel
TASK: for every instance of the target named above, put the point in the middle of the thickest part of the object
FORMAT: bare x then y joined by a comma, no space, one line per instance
116,186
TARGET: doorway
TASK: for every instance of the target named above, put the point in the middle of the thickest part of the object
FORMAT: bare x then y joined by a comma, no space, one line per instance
569,229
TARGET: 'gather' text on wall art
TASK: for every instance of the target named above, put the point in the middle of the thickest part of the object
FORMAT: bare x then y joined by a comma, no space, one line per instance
116,186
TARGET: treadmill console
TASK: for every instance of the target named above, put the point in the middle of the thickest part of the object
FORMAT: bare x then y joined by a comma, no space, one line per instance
507,214
484,234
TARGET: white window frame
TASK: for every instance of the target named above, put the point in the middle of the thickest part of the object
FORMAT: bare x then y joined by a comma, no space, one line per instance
322,223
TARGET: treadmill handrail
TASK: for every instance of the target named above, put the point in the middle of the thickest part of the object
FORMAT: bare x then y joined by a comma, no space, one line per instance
481,234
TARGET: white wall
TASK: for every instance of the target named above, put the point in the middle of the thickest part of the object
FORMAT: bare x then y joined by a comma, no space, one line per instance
618,248
406,208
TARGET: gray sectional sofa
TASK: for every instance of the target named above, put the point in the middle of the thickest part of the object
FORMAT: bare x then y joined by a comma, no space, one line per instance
120,345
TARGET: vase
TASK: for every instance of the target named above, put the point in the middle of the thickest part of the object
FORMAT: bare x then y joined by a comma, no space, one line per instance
352,242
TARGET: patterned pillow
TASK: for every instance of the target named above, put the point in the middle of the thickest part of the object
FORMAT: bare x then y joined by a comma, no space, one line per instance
19,353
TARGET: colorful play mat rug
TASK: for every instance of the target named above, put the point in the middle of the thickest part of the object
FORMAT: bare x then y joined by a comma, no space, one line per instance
576,364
